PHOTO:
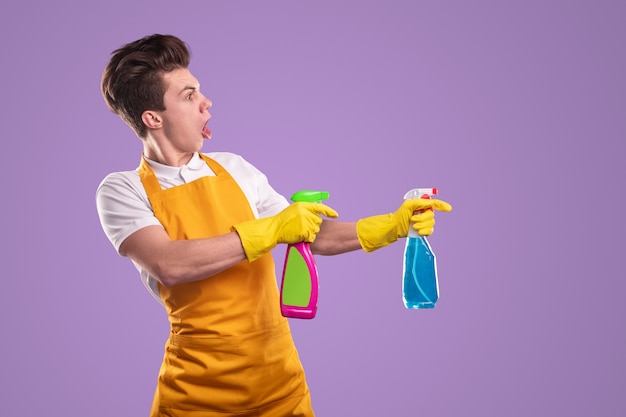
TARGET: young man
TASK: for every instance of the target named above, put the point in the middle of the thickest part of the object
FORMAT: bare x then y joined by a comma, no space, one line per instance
200,228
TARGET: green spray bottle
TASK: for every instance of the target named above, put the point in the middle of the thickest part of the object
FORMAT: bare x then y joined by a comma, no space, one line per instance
299,285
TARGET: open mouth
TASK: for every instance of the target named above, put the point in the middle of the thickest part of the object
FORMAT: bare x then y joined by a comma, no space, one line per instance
206,132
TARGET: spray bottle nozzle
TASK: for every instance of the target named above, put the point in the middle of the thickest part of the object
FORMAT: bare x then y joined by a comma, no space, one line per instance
426,193
310,196
421,193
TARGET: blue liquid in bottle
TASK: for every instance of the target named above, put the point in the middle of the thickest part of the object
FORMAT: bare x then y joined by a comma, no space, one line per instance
420,288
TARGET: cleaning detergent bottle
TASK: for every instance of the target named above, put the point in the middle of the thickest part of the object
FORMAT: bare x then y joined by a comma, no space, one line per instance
420,288
299,285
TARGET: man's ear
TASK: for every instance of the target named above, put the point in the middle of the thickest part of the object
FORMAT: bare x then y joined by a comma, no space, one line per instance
152,119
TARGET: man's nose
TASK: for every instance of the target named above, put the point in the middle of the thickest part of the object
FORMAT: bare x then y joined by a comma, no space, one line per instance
206,104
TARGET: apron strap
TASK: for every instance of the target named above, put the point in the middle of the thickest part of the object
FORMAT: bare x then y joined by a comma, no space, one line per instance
215,167
148,179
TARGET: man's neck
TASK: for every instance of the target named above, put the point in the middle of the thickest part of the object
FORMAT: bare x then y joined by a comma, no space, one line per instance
168,157
170,160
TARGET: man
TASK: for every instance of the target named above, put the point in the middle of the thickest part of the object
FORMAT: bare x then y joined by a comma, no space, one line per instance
200,228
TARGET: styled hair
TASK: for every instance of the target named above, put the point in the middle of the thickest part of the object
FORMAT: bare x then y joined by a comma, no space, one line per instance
132,82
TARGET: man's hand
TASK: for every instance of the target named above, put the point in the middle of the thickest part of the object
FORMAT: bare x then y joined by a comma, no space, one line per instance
300,222
378,231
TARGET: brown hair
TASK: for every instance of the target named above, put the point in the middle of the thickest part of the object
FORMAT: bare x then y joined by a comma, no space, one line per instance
132,82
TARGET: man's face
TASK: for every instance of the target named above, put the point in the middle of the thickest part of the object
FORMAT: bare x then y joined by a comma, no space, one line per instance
186,114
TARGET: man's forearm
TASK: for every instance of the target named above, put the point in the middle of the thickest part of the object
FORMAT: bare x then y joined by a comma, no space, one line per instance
192,260
335,238
174,262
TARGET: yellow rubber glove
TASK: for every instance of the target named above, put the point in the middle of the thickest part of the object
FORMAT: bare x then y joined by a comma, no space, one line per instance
378,231
300,222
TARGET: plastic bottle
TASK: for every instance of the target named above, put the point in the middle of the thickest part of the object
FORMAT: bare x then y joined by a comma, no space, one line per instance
299,285
420,287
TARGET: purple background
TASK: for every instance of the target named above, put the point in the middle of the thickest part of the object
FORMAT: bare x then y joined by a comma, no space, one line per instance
515,110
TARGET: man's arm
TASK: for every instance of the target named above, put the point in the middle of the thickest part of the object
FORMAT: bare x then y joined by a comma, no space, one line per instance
177,261
174,262
335,238
374,232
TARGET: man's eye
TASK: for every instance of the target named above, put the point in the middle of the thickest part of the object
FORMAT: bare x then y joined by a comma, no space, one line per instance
188,97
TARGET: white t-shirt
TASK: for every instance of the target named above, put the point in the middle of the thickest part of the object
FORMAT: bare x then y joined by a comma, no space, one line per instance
124,208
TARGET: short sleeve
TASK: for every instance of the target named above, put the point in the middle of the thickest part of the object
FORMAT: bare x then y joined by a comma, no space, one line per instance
123,206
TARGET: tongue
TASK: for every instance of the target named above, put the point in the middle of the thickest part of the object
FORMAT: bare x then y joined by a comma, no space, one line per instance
206,133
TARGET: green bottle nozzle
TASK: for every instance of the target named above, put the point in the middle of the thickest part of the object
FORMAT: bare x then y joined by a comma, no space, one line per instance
309,196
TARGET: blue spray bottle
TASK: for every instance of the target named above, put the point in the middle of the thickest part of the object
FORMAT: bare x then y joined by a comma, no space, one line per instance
420,287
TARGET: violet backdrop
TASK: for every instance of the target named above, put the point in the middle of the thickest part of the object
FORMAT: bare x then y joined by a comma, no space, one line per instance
514,109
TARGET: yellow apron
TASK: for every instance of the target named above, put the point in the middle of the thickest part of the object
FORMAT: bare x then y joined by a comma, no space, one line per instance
230,352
